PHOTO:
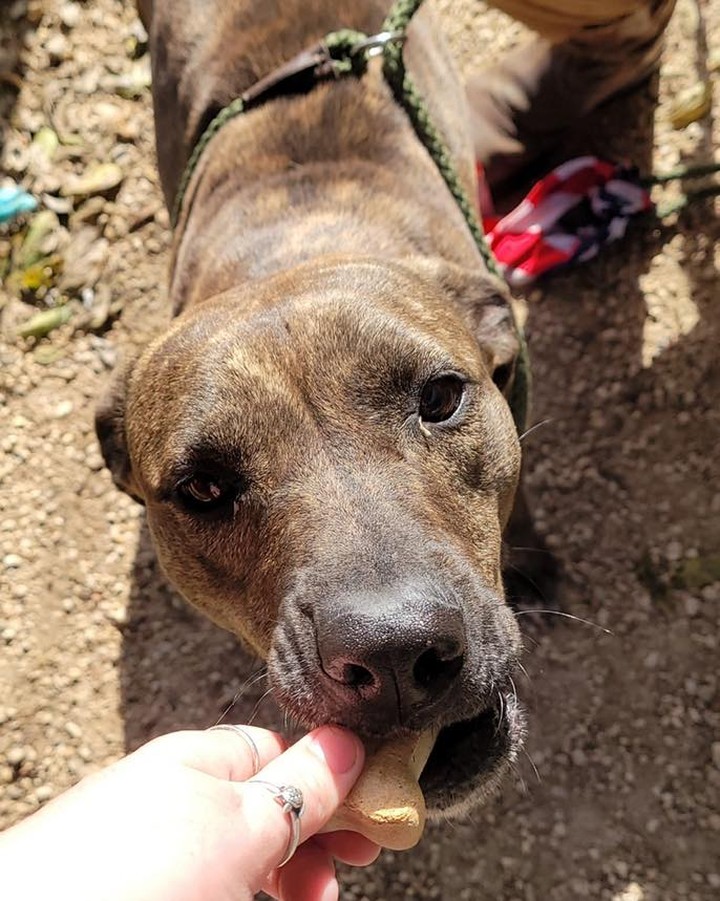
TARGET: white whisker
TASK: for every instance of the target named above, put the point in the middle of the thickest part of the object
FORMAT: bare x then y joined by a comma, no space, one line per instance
532,429
498,724
523,783
532,764
515,695
579,619
524,672
251,680
257,706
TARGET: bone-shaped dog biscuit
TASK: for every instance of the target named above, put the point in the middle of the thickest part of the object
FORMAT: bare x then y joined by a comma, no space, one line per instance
386,804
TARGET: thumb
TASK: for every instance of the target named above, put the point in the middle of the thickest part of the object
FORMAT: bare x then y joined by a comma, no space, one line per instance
324,766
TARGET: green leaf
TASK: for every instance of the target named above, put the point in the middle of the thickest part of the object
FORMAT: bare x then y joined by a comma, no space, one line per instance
43,323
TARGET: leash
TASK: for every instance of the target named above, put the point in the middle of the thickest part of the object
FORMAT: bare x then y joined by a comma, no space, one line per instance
683,173
344,53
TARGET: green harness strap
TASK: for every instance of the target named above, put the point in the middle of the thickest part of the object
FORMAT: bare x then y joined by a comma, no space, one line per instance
349,52
410,99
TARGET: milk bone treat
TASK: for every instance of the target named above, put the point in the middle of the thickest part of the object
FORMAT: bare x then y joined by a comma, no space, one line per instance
387,805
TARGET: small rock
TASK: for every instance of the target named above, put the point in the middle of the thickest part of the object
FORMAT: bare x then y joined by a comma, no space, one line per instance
70,14
132,83
45,355
622,869
88,212
85,260
137,43
44,793
56,46
72,729
632,892
42,152
12,561
108,355
101,178
674,551
61,206
93,459
578,757
63,409
16,755
690,105
118,616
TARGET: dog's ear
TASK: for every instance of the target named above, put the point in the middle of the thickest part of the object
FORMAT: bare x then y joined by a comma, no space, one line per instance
483,301
110,430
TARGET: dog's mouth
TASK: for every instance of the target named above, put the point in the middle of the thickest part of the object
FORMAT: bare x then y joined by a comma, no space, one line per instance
471,756
472,751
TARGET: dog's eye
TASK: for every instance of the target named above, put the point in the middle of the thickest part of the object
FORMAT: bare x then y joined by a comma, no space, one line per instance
205,491
440,398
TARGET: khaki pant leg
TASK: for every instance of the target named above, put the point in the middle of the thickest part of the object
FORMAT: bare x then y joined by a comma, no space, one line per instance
640,23
587,51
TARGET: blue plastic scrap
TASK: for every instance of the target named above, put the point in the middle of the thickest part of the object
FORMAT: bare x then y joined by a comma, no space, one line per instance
13,201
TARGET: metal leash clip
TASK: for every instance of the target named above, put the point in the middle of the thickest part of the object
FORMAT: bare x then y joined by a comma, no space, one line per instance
374,44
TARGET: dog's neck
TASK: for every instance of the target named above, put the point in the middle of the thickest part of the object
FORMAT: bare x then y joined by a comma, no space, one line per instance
206,54
339,170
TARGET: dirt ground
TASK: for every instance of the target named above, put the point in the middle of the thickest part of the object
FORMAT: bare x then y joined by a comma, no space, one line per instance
617,797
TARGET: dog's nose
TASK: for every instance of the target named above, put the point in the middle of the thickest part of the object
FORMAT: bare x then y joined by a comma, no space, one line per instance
393,655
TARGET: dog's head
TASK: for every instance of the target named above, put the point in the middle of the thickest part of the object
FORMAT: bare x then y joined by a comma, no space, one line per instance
328,462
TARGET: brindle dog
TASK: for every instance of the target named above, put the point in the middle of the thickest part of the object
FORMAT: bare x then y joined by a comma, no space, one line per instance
321,438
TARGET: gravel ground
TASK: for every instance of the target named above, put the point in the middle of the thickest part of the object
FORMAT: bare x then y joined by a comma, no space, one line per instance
618,795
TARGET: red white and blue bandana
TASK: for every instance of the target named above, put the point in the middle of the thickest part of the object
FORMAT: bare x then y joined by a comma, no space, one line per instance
566,217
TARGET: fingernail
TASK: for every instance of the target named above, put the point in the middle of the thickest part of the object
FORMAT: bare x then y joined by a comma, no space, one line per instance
339,748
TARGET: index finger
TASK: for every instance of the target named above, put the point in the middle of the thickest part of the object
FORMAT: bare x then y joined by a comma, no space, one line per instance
222,753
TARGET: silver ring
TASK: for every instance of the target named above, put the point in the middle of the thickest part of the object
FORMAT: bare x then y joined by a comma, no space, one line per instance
291,801
247,738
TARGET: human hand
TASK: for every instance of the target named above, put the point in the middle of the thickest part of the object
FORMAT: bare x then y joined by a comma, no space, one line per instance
182,820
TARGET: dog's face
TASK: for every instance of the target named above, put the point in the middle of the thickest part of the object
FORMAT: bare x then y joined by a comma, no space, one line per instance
327,466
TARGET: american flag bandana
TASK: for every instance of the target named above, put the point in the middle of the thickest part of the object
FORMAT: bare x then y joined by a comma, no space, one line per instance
566,217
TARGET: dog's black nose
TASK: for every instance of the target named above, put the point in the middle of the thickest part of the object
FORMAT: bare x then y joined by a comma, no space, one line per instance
393,655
